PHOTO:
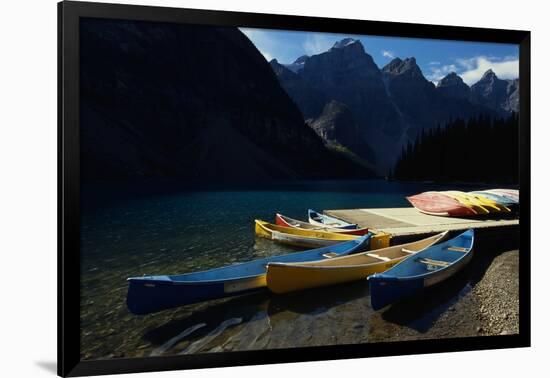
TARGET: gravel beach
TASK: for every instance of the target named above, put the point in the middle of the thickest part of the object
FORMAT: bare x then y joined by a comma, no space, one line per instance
487,305
498,294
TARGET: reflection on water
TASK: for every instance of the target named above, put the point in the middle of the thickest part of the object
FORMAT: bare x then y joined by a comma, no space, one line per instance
128,233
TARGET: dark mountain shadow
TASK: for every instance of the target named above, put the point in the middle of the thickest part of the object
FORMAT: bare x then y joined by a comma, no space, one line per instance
191,103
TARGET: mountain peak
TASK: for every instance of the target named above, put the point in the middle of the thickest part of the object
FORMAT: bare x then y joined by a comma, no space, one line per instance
298,64
410,63
344,43
452,86
489,74
392,66
450,80
281,69
301,59
343,65
398,67
496,93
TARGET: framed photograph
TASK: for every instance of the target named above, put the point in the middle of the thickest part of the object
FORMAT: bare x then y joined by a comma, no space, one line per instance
239,188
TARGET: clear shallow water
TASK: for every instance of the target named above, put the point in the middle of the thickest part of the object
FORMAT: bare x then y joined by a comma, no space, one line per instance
129,232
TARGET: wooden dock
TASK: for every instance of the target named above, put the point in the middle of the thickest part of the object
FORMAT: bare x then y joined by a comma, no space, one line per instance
407,223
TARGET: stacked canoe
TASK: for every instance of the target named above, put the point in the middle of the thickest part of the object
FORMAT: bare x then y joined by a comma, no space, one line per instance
454,203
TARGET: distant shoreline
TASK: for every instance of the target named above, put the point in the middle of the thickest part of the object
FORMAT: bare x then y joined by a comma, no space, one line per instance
460,183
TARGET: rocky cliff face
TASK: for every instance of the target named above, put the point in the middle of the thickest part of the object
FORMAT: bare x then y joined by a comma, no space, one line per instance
189,102
336,125
346,73
389,106
512,104
421,103
500,95
298,64
452,86
309,100
411,93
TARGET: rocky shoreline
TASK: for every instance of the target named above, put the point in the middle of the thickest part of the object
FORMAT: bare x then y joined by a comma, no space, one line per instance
487,305
498,293
480,300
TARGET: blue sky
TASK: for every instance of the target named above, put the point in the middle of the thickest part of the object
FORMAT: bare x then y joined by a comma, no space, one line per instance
436,58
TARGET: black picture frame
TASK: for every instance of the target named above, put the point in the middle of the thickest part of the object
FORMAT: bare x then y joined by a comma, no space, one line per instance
69,13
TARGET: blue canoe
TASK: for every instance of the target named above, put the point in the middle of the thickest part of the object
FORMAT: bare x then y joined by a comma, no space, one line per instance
323,220
149,294
425,268
498,198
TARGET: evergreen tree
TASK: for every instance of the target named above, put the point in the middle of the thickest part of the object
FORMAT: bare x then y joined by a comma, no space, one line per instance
479,149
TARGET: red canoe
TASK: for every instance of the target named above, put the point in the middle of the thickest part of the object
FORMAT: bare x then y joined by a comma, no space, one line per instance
434,203
281,220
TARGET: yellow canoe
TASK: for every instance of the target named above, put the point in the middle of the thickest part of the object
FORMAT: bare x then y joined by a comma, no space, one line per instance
287,277
311,238
489,202
299,237
468,201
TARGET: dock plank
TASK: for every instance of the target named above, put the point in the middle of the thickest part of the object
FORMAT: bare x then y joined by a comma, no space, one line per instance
407,221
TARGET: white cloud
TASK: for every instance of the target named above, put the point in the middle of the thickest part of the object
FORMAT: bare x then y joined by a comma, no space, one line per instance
388,54
267,56
438,73
317,43
474,68
467,63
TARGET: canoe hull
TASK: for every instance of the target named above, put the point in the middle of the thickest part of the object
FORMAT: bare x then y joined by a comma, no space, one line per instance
281,220
323,220
302,241
427,268
472,203
386,291
432,203
299,237
146,296
285,279
509,193
288,277
501,199
155,293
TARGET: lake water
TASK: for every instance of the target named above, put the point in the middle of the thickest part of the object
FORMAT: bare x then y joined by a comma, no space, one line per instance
127,231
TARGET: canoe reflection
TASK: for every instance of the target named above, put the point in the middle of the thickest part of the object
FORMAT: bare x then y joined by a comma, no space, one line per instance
317,301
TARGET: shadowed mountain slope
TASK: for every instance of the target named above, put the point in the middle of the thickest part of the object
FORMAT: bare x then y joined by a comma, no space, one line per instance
190,102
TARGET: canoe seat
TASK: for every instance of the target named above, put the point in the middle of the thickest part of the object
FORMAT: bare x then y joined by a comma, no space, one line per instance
407,250
378,257
434,262
458,249
329,255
